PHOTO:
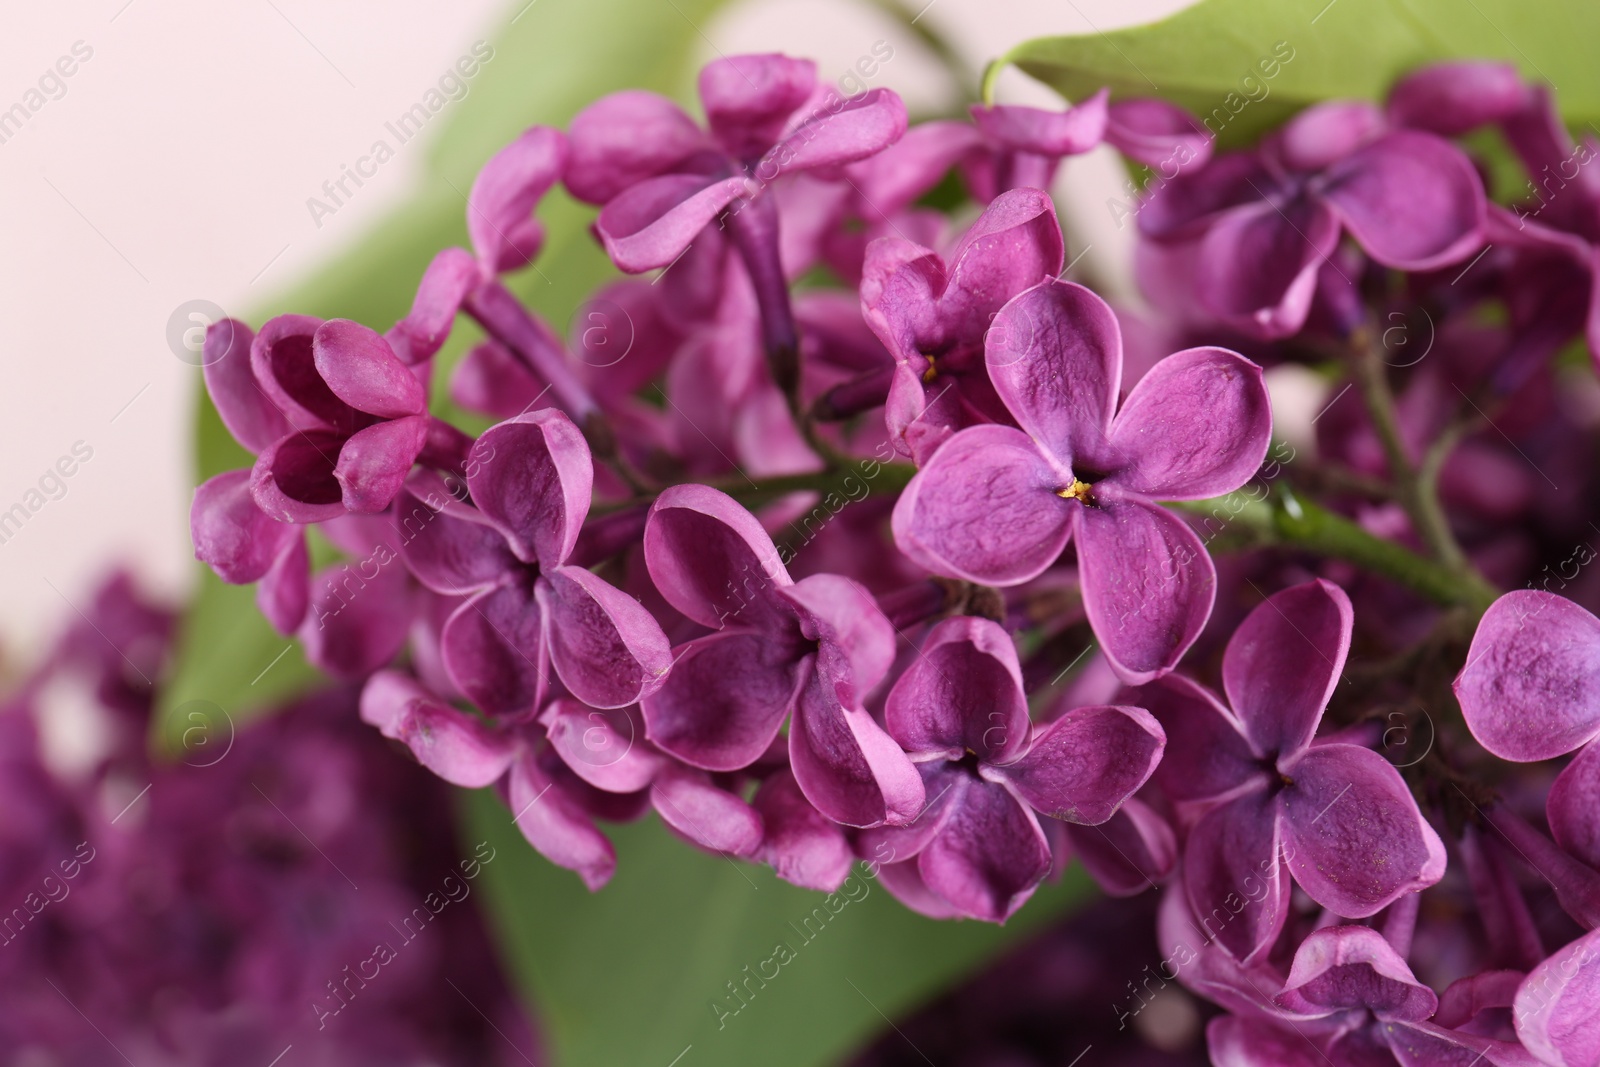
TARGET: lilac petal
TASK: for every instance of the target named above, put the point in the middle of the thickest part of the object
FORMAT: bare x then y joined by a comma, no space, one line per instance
846,765
697,810
494,650
1130,852
1341,967
905,883
1081,767
1531,686
1181,208
1451,98
1234,876
651,224
1043,132
232,534
451,547
1554,1009
1425,1044
356,623
386,700
891,180
1148,585
533,475
293,479
445,284
1412,200
460,748
500,207
231,382
282,360
603,747
841,131
724,699
1054,354
285,589
556,825
944,783
1326,133
985,508
1466,998
622,139
1258,265
373,464
989,855
962,693
1355,839
1283,662
855,640
1196,426
608,650
1159,135
749,98
1207,753
1571,806
362,370
803,846
711,559
492,381
1241,1041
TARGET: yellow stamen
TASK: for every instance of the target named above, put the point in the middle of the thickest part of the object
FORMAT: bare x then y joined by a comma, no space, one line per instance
1079,491
933,369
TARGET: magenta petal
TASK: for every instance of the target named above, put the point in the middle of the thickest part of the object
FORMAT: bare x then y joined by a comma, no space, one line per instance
651,224
445,284
281,358
1282,663
451,547
605,748
1054,354
1452,98
533,475
724,699
943,783
1207,754
492,381
839,132
749,98
1341,967
1082,766
989,855
1354,837
1571,806
712,818
285,589
232,534
1044,132
1130,852
494,650
985,508
1234,876
1241,1041
962,693
460,748
231,381
357,623
556,825
386,699
905,883
1325,133
1014,245
803,846
1554,1009
1159,135
855,641
293,479
846,765
500,206
373,464
608,650
1531,686
362,370
1196,426
711,558
1148,585
622,139
1412,200
1258,264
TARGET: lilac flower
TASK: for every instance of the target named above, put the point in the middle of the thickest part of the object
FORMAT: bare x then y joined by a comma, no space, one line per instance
810,651
1248,234
1351,980
1267,799
960,711
1555,1005
530,480
997,505
932,313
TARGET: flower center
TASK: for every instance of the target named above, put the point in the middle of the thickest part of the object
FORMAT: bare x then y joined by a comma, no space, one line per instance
1080,491
933,369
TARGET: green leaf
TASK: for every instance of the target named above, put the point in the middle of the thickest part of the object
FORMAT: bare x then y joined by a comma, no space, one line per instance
1214,58
631,974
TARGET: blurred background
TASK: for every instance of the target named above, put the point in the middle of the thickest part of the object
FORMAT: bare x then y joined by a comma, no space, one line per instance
173,173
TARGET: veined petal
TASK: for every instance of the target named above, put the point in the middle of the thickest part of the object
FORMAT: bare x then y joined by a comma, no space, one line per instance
1207,753
1342,967
500,206
1283,662
712,559
989,856
373,464
607,648
451,547
1412,200
533,475
846,765
962,693
624,138
1554,1010
494,650
556,825
650,224
1572,804
362,370
855,641
724,699
1234,875
841,130
1130,852
1081,767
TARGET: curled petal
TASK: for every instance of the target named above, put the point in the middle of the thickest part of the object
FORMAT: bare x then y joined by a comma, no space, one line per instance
1554,1009
386,700
1234,875
373,464
362,370
445,284
606,748
1531,686
1571,806
1257,265
1340,967
1130,852
962,693
1159,135
231,381
510,185
905,883
1081,767
985,508
855,640
556,825
1352,832
989,856
285,368
697,810
1043,132
608,650
285,589
1148,585
1412,200
293,479
803,846
451,547
1196,426
1451,98
460,748
846,765
357,623
533,475
749,98
1283,662
712,559
843,130
651,223
1323,134
622,139
724,699
494,650
239,540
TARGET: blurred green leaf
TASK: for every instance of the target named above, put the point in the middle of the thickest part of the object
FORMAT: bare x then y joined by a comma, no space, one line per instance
1214,58
629,975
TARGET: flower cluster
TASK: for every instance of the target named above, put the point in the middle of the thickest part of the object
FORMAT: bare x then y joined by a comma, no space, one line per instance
795,542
